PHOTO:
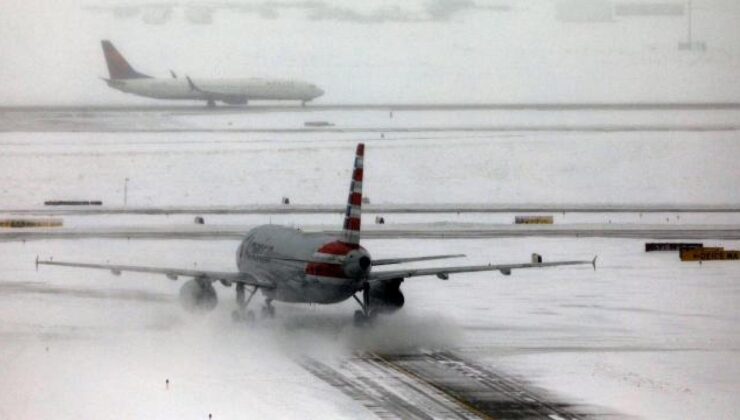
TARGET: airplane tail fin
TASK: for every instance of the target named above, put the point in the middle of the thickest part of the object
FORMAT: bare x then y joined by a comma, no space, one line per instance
118,67
351,229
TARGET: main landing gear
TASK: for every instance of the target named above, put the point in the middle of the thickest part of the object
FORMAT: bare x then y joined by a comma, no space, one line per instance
211,103
241,313
242,301
365,315
268,311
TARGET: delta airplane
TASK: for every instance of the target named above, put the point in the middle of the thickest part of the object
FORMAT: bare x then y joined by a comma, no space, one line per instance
230,91
289,265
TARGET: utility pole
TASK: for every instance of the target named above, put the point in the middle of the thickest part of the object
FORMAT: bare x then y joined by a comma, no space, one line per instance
125,192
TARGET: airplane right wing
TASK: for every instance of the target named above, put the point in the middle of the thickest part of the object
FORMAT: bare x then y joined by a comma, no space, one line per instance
444,272
388,261
171,273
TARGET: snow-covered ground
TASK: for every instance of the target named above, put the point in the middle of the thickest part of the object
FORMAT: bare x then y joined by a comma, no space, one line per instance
644,335
223,168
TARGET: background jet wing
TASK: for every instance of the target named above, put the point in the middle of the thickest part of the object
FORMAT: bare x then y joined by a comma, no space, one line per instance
388,261
444,272
172,273
211,94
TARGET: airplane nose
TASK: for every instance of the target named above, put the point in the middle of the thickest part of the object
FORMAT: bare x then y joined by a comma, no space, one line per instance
318,91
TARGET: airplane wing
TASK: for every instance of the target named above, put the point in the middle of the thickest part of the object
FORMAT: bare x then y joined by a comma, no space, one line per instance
444,272
388,261
220,96
171,273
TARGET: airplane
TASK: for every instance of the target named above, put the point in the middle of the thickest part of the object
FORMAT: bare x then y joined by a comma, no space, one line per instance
123,77
289,265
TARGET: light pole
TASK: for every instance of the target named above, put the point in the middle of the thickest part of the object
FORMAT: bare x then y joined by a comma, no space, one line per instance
125,192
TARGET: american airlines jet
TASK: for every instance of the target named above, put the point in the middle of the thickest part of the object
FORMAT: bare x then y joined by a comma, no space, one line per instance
230,91
289,265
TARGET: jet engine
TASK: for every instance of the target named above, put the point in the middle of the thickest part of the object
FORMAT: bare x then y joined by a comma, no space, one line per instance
386,297
198,295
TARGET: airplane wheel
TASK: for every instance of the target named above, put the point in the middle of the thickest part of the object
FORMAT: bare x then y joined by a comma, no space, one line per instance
361,319
240,316
249,316
268,312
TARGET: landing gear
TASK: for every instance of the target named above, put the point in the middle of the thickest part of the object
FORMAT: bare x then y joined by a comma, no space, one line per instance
211,103
365,315
303,104
241,313
268,311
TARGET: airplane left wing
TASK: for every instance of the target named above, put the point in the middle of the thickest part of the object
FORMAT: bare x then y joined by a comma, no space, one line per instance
444,272
171,273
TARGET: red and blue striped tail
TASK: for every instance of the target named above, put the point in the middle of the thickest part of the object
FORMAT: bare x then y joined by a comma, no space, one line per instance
351,229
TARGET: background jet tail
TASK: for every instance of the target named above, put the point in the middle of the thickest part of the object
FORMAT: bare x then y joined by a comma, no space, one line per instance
351,229
118,67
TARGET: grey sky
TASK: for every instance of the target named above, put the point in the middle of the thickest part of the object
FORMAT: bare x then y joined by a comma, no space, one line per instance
414,51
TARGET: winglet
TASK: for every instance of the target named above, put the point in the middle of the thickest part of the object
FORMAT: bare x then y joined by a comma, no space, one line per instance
593,262
351,227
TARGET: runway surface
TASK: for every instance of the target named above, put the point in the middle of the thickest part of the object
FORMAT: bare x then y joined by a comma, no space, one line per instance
641,106
416,231
381,208
378,119
432,385
582,128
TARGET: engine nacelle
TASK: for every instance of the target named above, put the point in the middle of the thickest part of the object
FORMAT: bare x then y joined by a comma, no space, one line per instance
197,295
386,297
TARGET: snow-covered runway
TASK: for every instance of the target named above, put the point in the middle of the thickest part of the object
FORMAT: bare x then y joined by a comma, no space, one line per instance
643,335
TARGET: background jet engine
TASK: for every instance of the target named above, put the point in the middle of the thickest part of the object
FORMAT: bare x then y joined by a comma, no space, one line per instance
198,295
386,297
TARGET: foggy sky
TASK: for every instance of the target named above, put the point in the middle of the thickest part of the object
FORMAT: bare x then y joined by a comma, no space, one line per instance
416,51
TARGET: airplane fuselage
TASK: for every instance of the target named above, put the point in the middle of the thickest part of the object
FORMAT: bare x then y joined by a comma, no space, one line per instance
235,91
294,279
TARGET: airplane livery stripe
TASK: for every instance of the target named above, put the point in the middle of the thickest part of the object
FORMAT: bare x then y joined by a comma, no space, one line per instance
325,270
355,199
352,211
357,175
337,248
352,223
